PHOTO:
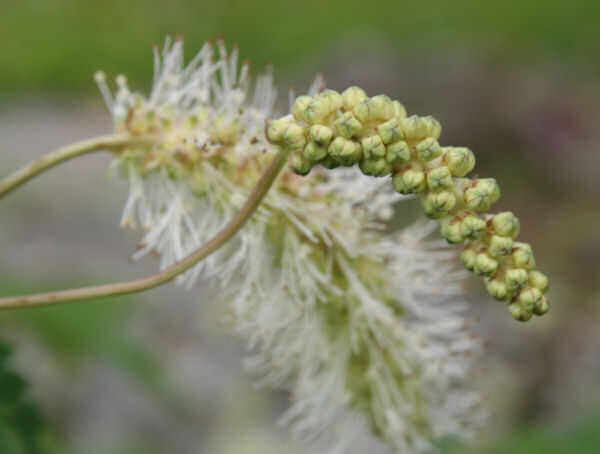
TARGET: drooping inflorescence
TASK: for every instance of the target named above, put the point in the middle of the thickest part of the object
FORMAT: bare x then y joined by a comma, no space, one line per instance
332,129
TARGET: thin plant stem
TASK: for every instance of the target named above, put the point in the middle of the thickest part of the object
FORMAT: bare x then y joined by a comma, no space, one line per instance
122,288
34,168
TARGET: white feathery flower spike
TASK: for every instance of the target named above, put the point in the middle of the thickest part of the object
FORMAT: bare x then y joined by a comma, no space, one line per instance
365,329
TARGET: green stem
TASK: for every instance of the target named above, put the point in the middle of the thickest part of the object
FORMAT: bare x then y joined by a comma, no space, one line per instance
26,173
146,283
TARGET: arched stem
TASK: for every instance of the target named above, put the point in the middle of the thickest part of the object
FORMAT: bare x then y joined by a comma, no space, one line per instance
34,168
146,283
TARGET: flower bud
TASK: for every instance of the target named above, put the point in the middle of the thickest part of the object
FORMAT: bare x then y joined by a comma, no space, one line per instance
390,131
414,128
519,312
399,110
506,224
472,226
275,129
328,162
459,160
485,265
477,199
294,136
321,135
431,126
397,152
347,125
523,256
500,245
332,98
300,164
436,204
497,289
429,149
398,183
373,147
516,278
377,167
468,257
490,186
414,180
541,306
346,152
450,229
317,111
439,178
299,107
529,296
538,280
314,152
351,97
378,107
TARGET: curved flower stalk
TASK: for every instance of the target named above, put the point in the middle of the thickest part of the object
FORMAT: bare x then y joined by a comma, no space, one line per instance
364,328
332,130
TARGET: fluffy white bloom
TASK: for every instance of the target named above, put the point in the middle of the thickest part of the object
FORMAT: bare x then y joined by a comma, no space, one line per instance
364,328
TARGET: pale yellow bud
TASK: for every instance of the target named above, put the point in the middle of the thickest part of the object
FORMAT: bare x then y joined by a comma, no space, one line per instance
519,312
523,256
516,278
332,98
346,152
506,224
317,111
390,131
497,289
485,265
397,153
294,136
538,280
347,125
321,135
459,160
414,180
500,245
275,129
472,226
450,229
314,152
436,204
477,199
299,106
373,147
399,110
377,167
429,149
439,178
468,257
351,97
300,164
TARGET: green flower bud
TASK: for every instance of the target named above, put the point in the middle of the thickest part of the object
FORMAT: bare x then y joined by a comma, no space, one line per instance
300,164
439,178
329,163
346,152
390,131
397,153
529,296
490,186
398,183
399,110
314,152
294,136
459,160
378,167
317,111
436,204
351,97
516,278
477,199
429,149
414,180
432,127
506,224
497,289
472,226
523,256
450,229
274,129
299,106
538,280
378,107
500,245
414,128
373,147
468,257
541,306
321,135
347,125
519,312
332,98
485,265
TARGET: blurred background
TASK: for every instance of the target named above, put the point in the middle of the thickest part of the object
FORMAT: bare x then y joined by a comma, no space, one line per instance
516,81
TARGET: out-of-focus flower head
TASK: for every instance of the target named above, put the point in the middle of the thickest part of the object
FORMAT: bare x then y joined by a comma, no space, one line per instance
364,328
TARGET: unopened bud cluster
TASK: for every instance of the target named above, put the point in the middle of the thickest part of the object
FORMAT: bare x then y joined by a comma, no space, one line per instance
332,129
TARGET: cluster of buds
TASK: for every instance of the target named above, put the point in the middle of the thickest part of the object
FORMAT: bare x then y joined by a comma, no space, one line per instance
332,129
